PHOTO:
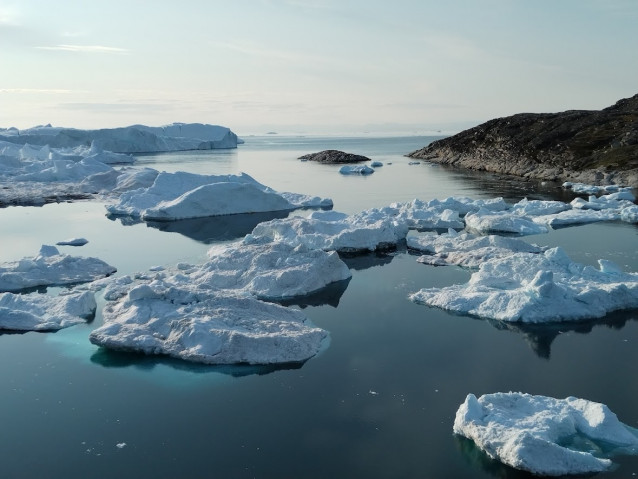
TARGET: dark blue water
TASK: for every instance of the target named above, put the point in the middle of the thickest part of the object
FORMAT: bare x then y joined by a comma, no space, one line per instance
379,402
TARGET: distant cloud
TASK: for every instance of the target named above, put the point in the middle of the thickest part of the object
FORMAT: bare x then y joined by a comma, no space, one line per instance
34,90
8,16
85,49
122,107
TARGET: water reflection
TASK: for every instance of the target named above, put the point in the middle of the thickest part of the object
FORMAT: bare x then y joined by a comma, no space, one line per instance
120,359
329,295
361,261
540,337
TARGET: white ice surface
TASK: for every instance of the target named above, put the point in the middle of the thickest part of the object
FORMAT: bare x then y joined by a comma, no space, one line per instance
330,230
485,221
50,267
543,435
206,326
41,312
422,215
535,288
466,250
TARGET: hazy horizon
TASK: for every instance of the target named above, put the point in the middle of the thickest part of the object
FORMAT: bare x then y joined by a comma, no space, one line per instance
311,66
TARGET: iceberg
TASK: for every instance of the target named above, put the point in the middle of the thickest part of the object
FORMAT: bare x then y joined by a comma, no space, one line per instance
206,326
465,249
356,170
423,215
41,312
130,139
50,267
543,435
180,195
369,230
73,242
486,221
535,288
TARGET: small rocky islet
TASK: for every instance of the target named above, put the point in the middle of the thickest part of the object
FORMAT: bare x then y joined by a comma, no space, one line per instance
590,146
334,157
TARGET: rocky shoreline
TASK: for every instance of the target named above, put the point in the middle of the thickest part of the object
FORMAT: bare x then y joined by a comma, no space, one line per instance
595,147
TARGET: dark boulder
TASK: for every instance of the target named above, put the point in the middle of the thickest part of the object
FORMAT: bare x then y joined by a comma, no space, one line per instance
334,157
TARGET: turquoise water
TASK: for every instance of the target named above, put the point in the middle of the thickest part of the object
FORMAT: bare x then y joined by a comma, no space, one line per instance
378,402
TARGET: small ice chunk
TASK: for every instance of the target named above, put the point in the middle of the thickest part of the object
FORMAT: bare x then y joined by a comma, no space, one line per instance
543,435
376,164
73,242
356,170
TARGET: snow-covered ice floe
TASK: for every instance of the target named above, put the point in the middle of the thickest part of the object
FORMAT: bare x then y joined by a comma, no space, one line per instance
73,242
181,195
41,312
485,221
465,249
369,230
206,326
593,189
543,435
534,288
50,267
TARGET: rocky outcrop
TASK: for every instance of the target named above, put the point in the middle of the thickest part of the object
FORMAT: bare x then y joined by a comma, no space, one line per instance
334,157
596,147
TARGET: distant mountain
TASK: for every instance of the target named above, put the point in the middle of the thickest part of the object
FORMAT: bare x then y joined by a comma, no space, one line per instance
597,147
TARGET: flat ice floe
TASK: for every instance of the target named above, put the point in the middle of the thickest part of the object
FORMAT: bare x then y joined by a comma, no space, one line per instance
485,221
206,326
50,267
356,170
423,215
181,195
535,288
465,249
543,435
369,230
41,312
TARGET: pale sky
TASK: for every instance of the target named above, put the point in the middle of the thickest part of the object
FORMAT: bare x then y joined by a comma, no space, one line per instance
311,66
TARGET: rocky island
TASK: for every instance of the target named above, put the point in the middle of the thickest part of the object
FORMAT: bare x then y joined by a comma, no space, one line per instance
595,147
334,157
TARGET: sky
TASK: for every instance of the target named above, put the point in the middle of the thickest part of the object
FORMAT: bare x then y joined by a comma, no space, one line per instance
311,66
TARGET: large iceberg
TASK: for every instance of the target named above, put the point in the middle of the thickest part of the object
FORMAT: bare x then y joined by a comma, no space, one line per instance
543,435
181,195
41,312
206,326
130,139
50,267
546,287
369,230
465,249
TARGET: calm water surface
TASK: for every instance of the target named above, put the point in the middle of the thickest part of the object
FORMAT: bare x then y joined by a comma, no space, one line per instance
379,402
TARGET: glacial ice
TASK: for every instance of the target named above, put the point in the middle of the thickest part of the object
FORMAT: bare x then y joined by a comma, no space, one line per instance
485,221
50,267
356,170
368,230
465,249
206,326
422,215
73,242
41,312
131,139
181,195
543,435
534,288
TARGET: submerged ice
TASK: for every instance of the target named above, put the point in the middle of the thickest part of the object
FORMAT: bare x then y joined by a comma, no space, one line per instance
543,435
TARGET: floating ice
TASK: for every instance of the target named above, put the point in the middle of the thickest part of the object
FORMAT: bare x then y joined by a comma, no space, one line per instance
465,249
422,215
536,288
543,435
576,216
527,207
485,221
50,267
41,312
376,164
206,326
131,139
356,170
369,230
73,242
183,195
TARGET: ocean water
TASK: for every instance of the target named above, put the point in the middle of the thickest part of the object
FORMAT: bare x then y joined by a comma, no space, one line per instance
378,402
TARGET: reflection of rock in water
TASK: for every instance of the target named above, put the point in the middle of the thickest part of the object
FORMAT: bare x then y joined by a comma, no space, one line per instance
478,459
120,359
540,336
330,295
